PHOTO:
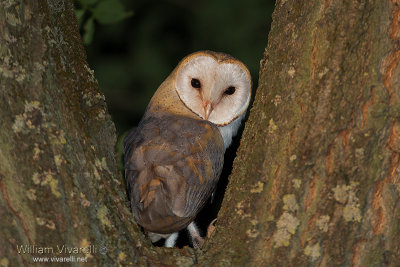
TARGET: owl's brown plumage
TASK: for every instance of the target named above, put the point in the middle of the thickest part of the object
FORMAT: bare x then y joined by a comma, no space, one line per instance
172,166
174,157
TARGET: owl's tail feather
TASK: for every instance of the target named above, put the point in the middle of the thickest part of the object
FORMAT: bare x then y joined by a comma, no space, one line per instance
149,191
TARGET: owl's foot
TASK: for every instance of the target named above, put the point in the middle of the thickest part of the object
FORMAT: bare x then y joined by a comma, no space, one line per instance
197,240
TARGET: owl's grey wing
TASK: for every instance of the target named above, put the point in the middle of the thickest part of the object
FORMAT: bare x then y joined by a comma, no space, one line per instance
172,165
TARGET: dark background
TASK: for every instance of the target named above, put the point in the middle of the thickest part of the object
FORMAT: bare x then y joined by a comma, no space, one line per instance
132,58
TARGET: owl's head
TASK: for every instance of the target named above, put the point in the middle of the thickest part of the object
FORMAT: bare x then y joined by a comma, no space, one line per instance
215,86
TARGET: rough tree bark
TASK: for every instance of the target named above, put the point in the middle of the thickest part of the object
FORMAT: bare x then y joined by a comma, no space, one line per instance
59,185
316,180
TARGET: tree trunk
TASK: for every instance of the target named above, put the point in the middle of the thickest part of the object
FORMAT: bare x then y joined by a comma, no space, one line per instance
316,180
59,184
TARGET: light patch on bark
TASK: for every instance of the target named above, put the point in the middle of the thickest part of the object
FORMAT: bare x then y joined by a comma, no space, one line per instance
85,244
21,74
43,178
272,126
352,212
101,115
96,173
31,106
31,194
289,222
240,209
47,223
258,188
53,183
58,138
323,72
40,221
47,178
122,256
36,152
90,74
296,183
84,201
36,178
102,213
102,164
19,124
184,261
50,224
360,153
341,193
322,223
281,238
253,232
346,194
277,100
283,2
291,72
290,203
91,100
58,160
313,251
23,122
4,262
287,225
12,19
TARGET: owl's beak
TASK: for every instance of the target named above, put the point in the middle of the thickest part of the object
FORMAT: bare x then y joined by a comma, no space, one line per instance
208,108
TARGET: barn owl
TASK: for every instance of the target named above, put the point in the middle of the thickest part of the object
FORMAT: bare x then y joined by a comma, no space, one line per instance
174,158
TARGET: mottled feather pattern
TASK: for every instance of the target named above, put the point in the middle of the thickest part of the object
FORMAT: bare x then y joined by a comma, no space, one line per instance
172,164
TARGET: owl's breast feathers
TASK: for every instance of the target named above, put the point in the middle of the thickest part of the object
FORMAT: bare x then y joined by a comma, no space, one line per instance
172,165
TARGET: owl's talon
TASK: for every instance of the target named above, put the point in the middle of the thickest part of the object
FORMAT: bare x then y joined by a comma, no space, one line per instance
211,228
198,242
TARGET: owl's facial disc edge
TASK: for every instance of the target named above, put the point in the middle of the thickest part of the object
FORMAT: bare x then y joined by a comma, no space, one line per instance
218,91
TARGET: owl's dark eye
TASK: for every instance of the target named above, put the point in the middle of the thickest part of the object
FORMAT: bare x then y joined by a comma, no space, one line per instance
195,83
230,91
